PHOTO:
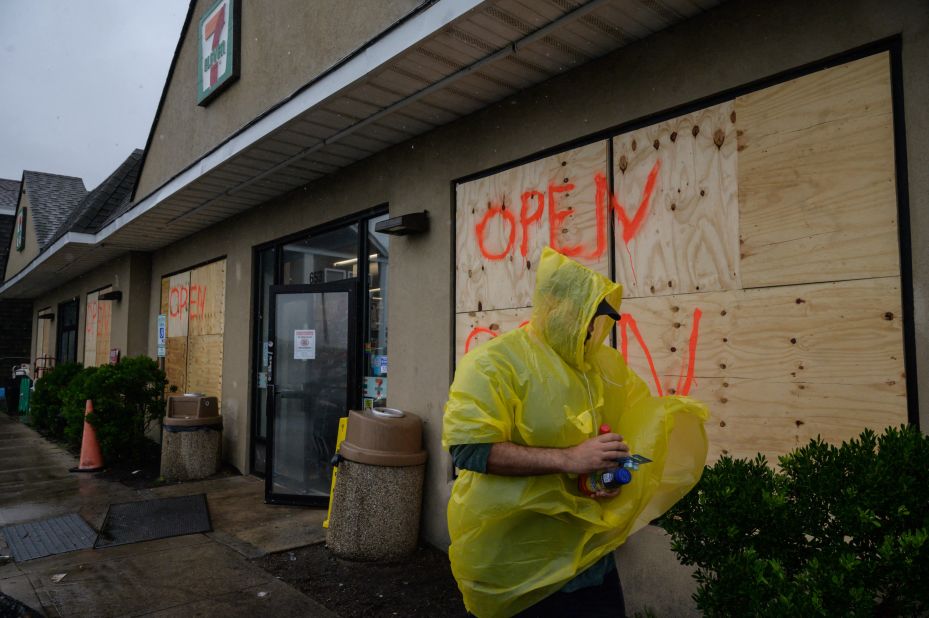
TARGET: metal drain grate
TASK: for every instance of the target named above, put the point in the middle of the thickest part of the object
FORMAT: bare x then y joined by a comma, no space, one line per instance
134,522
48,537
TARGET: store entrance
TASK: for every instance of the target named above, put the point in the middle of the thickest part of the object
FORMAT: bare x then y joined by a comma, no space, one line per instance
310,384
333,281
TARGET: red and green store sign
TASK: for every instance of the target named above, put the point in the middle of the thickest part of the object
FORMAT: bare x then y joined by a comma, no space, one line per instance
218,45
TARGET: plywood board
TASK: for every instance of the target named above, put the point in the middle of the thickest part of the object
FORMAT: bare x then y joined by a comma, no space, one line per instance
477,327
207,299
503,221
829,356
205,364
816,177
104,315
43,337
676,205
90,331
178,304
176,363
775,417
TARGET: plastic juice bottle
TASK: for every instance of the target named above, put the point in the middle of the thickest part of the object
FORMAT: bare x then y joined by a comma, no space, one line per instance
605,480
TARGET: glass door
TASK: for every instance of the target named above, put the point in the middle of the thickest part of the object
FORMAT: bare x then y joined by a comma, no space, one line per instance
310,386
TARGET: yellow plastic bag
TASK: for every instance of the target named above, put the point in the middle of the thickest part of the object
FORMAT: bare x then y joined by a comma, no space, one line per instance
518,539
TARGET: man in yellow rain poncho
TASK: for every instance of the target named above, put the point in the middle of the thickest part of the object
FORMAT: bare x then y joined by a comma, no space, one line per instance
522,421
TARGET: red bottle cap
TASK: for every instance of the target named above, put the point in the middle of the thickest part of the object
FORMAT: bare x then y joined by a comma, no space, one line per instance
604,429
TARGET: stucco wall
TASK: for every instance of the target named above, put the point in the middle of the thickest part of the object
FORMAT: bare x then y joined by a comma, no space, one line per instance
285,45
729,47
129,323
18,260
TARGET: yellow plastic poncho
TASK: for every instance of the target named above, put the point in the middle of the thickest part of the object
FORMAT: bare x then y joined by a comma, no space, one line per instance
517,539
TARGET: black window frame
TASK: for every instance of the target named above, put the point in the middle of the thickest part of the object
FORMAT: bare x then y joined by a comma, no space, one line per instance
360,219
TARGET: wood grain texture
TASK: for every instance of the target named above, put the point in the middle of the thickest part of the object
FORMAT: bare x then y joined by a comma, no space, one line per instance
104,315
44,338
207,299
816,177
477,327
774,417
827,355
688,240
523,220
176,363
178,304
205,365
90,331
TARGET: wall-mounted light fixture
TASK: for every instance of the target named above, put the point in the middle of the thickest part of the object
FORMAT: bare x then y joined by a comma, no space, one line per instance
116,295
412,223
46,316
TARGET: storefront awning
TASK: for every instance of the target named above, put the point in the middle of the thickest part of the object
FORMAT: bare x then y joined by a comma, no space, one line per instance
450,59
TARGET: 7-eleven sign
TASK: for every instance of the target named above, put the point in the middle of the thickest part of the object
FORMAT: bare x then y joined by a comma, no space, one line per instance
218,42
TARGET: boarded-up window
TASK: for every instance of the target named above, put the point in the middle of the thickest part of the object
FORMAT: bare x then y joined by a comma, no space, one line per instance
756,241
44,343
97,329
194,302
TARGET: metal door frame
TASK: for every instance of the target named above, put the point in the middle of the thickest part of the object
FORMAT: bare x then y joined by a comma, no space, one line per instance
346,285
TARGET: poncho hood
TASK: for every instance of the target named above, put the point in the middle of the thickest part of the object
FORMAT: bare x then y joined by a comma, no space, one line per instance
566,297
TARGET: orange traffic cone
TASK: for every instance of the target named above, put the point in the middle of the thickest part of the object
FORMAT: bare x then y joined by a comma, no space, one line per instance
91,459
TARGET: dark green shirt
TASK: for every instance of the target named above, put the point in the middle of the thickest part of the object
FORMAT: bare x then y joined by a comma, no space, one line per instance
474,457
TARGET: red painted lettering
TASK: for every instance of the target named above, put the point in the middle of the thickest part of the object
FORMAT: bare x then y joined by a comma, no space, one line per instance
174,303
193,301
691,355
474,333
631,226
482,225
202,299
627,321
525,220
601,206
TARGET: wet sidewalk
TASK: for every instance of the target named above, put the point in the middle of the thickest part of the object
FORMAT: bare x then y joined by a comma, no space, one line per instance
195,575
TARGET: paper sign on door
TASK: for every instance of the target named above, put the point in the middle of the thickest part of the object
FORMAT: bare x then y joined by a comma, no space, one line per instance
304,344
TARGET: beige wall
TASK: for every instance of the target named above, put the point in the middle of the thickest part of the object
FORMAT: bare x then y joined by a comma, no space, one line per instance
129,323
20,259
285,45
729,47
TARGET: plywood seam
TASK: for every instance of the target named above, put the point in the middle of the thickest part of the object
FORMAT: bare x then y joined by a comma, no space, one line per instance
805,283
824,123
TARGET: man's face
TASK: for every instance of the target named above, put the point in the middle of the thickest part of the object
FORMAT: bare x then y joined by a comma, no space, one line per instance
590,330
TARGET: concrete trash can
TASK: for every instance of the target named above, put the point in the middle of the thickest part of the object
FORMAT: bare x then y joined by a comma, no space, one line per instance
192,440
378,492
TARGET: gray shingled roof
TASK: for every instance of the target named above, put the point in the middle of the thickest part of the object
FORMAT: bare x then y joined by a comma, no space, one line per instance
111,196
9,195
52,198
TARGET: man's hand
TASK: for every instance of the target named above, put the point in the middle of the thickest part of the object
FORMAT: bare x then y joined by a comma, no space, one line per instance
599,453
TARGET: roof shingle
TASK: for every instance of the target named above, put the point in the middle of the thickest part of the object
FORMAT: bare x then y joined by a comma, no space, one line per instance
9,195
98,206
53,197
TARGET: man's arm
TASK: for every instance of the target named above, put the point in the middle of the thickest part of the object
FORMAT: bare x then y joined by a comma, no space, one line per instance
599,453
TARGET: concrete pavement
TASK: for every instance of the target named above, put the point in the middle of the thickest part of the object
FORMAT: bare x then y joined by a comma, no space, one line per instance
194,575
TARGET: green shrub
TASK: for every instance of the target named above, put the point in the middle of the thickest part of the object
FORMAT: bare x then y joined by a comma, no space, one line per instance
73,401
838,531
127,398
45,404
